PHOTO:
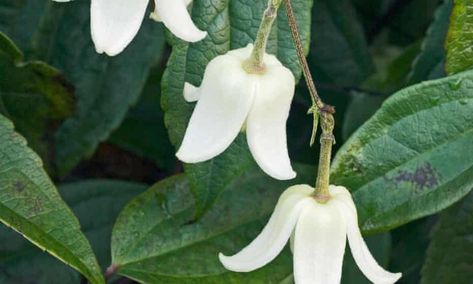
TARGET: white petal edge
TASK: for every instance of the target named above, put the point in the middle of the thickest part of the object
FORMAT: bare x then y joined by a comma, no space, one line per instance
319,244
114,23
155,15
226,95
266,123
174,15
269,243
191,93
363,257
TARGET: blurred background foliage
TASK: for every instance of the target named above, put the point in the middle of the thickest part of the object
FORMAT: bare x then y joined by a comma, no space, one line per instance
104,130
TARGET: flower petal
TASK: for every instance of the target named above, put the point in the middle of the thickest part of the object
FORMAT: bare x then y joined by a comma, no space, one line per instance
359,249
275,234
226,95
266,124
319,244
174,15
114,23
191,93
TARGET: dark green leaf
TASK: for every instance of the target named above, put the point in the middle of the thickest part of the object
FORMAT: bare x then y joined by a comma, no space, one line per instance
229,27
408,20
339,53
97,204
156,238
31,205
413,157
19,19
460,38
105,86
360,109
394,76
429,64
450,254
143,131
32,95
363,104
409,248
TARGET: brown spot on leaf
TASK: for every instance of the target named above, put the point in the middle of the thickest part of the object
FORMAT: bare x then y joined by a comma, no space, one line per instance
424,176
19,186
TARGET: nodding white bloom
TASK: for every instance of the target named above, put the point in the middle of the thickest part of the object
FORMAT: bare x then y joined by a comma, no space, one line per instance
318,235
114,23
230,100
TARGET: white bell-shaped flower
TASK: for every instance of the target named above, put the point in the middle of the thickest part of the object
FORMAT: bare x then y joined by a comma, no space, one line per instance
231,99
318,235
114,23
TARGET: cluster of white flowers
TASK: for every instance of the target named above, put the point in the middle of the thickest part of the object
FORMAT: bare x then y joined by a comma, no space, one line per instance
114,23
232,99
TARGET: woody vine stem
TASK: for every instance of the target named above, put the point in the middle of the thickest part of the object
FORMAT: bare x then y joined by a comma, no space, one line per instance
319,108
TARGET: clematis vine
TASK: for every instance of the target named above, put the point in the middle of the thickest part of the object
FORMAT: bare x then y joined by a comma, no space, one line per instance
318,233
114,23
243,90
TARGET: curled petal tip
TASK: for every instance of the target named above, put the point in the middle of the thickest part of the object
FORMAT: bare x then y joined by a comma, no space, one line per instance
198,36
98,50
284,176
229,263
186,157
395,276
191,93
174,15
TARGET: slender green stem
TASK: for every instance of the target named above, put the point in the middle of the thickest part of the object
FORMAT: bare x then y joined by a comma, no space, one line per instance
255,63
316,100
320,110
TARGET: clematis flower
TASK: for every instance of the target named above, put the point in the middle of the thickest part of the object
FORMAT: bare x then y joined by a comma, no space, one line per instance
231,99
114,23
318,235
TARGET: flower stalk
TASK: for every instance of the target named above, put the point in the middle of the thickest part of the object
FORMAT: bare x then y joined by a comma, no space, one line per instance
255,63
327,123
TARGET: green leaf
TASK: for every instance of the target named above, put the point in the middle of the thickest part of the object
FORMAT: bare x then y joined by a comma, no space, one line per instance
31,205
229,27
409,248
408,20
361,108
429,64
156,238
19,19
33,95
450,254
363,104
143,131
460,38
97,204
413,157
339,52
105,86
394,76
